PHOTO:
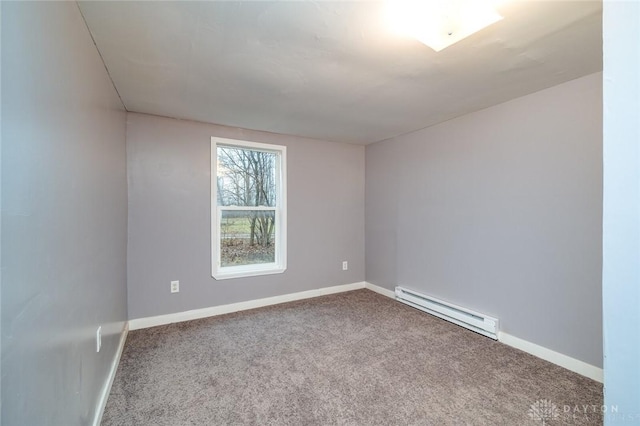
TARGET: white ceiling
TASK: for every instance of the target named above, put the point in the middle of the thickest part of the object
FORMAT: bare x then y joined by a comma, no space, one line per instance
331,70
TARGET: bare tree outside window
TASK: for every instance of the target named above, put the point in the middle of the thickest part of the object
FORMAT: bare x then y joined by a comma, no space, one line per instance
246,178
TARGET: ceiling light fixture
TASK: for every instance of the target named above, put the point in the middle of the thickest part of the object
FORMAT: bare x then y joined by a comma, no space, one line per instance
440,23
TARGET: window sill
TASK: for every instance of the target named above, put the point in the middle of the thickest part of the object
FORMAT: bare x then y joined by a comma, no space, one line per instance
244,271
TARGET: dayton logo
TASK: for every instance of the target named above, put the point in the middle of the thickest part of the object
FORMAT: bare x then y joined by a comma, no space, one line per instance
544,411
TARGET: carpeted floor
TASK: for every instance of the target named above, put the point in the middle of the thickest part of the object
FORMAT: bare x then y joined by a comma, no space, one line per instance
354,358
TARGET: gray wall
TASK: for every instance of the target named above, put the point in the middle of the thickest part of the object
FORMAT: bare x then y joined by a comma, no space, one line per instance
169,216
499,211
621,244
64,218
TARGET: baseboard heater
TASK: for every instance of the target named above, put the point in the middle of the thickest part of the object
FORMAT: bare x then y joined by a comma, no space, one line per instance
467,318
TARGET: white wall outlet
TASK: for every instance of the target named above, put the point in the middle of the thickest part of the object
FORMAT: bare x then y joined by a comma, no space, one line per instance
98,339
345,265
175,286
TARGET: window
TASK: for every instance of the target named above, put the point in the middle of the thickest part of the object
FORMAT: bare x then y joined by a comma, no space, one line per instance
248,208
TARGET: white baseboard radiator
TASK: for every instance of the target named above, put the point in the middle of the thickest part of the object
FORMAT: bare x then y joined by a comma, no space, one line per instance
463,317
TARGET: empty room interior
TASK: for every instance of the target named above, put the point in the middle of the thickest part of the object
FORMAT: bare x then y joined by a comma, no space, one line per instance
320,212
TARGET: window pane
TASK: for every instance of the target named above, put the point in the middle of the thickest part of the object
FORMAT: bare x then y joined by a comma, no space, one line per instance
247,237
246,177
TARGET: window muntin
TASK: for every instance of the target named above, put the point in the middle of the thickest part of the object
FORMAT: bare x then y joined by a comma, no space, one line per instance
248,193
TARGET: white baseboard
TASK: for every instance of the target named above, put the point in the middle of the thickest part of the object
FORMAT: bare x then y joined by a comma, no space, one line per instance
380,290
554,357
106,389
147,322
557,358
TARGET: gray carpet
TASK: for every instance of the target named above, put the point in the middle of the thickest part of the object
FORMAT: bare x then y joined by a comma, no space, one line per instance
354,358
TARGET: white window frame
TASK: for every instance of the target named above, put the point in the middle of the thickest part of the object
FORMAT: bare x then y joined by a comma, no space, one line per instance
280,265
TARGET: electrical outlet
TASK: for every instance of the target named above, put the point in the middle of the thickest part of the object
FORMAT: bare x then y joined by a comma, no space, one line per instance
345,265
175,286
98,339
